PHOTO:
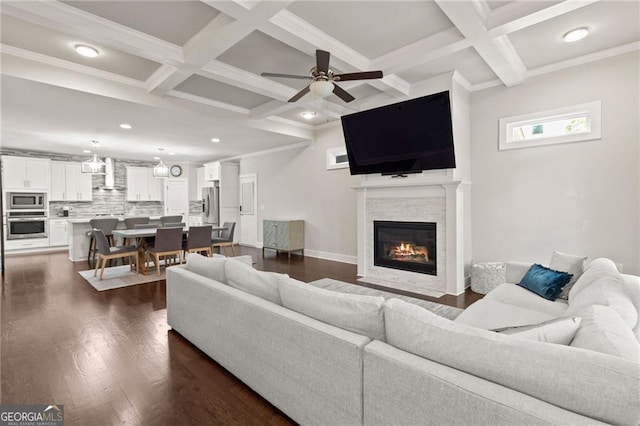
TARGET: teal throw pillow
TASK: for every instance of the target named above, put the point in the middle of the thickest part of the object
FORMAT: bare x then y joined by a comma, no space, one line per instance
544,282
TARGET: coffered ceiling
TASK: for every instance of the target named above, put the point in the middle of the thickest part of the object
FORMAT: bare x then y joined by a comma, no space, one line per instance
184,72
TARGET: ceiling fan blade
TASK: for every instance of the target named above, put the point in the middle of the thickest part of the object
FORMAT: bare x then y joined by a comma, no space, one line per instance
300,94
342,94
322,61
365,75
274,74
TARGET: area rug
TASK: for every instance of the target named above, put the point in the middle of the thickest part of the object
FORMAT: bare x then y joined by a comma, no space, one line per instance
445,311
118,277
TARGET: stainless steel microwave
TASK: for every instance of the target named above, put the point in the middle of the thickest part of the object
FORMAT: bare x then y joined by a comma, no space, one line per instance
26,200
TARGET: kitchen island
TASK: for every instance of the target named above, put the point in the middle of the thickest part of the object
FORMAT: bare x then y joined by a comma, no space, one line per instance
78,230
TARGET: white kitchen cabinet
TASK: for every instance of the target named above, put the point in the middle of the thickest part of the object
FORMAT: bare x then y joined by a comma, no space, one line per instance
212,171
142,186
68,183
58,234
26,173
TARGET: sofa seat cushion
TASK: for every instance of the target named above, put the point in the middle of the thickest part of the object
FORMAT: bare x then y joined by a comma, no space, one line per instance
600,386
492,314
608,291
259,283
354,312
603,330
515,295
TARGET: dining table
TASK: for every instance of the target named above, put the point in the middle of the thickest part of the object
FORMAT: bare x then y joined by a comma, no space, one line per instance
141,234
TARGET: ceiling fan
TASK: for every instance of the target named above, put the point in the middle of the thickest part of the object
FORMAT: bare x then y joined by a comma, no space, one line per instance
324,79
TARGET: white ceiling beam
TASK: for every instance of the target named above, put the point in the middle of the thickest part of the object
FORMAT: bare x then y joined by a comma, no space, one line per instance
419,52
518,15
498,53
67,19
246,80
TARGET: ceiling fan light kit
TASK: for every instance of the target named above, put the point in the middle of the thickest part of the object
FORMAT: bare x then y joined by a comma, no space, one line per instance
324,80
321,88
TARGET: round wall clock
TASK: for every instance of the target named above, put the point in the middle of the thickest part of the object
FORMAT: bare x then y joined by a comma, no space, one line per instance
175,170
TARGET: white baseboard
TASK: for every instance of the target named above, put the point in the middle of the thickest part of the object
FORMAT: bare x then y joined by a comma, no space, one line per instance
336,257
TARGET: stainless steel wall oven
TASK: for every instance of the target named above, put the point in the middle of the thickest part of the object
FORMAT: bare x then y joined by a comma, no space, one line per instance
27,224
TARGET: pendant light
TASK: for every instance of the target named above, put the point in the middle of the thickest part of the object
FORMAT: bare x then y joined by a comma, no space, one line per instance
94,165
160,170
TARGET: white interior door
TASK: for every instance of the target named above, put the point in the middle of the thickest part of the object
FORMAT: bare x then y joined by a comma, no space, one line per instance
176,198
248,213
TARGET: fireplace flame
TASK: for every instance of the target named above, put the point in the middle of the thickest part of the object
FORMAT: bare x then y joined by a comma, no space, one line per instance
409,252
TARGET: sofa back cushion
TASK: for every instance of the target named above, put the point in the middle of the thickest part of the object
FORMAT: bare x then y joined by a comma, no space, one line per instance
608,291
590,383
207,266
259,283
213,267
593,271
354,312
603,330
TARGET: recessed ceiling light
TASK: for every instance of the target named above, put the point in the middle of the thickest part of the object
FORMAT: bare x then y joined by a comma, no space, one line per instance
215,140
84,50
308,115
125,126
172,153
156,158
575,35
86,151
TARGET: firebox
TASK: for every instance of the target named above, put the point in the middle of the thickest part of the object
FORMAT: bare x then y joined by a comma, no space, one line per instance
410,246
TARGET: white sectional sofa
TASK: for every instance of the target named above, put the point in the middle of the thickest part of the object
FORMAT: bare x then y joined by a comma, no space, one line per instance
328,358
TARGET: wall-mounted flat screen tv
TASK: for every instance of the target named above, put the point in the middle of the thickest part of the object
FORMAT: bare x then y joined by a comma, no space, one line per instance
406,137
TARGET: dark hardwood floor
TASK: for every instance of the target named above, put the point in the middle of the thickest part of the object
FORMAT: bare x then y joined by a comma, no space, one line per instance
110,356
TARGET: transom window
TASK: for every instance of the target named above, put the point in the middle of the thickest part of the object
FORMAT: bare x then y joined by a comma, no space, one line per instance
569,124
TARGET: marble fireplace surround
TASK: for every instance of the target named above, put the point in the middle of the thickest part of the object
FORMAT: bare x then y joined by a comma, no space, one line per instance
416,198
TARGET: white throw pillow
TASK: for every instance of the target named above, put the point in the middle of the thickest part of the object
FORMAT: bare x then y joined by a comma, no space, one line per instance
608,291
603,330
570,264
354,312
207,266
560,331
259,283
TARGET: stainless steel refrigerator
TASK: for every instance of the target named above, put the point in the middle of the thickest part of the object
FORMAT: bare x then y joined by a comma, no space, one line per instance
211,205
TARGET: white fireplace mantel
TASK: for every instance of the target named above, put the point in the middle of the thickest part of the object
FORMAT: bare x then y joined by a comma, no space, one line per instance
420,198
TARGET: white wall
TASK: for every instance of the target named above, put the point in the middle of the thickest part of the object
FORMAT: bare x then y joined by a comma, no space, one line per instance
579,198
295,184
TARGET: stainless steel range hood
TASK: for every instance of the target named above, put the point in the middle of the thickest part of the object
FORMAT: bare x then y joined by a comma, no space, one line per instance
110,176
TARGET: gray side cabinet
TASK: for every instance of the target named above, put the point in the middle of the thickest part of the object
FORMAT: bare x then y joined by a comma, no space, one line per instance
283,235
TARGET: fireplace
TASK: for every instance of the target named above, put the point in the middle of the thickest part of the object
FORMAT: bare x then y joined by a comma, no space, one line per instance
409,246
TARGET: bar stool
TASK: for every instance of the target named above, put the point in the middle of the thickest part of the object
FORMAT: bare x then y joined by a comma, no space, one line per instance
107,225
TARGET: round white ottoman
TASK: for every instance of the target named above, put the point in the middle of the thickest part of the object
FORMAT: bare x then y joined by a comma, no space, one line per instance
486,276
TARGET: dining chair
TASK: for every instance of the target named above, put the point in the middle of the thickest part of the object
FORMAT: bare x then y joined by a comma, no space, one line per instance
170,219
107,225
148,240
106,252
173,225
225,238
168,243
198,240
130,222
